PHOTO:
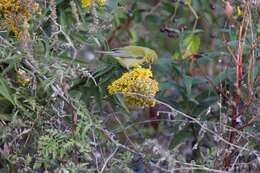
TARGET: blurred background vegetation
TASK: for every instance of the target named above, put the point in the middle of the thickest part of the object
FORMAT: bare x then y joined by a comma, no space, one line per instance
57,116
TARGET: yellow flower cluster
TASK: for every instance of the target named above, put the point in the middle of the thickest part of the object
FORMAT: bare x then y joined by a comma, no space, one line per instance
23,78
137,87
88,3
16,13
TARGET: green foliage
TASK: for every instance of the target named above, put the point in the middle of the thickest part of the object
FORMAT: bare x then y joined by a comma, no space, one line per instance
5,91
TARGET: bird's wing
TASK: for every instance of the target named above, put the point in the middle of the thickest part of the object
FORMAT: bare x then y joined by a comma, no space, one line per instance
129,52
123,53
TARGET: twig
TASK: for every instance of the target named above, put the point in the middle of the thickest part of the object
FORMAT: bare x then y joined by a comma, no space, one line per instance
195,15
95,143
192,167
156,120
236,159
70,42
109,158
21,134
250,122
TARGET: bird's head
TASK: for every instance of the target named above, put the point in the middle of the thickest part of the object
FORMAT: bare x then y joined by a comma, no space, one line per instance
150,56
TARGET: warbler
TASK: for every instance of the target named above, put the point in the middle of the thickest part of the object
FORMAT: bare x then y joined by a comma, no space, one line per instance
130,56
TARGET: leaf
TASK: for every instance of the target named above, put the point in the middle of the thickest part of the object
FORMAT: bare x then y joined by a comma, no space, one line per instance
5,117
180,138
168,7
188,84
153,19
102,70
191,45
96,41
227,74
122,102
4,91
209,17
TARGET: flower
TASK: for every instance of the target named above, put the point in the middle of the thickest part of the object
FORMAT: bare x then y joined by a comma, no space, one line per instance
88,3
137,87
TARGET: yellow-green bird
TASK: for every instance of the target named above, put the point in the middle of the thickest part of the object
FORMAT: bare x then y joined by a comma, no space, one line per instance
130,56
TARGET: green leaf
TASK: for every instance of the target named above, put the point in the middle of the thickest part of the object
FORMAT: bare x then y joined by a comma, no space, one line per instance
153,19
181,137
122,102
168,7
188,84
191,45
227,74
4,91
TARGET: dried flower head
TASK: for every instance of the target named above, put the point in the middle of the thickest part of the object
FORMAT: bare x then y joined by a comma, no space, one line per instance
137,87
16,13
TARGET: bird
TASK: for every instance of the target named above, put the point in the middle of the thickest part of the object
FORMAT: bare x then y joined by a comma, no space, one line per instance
131,56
